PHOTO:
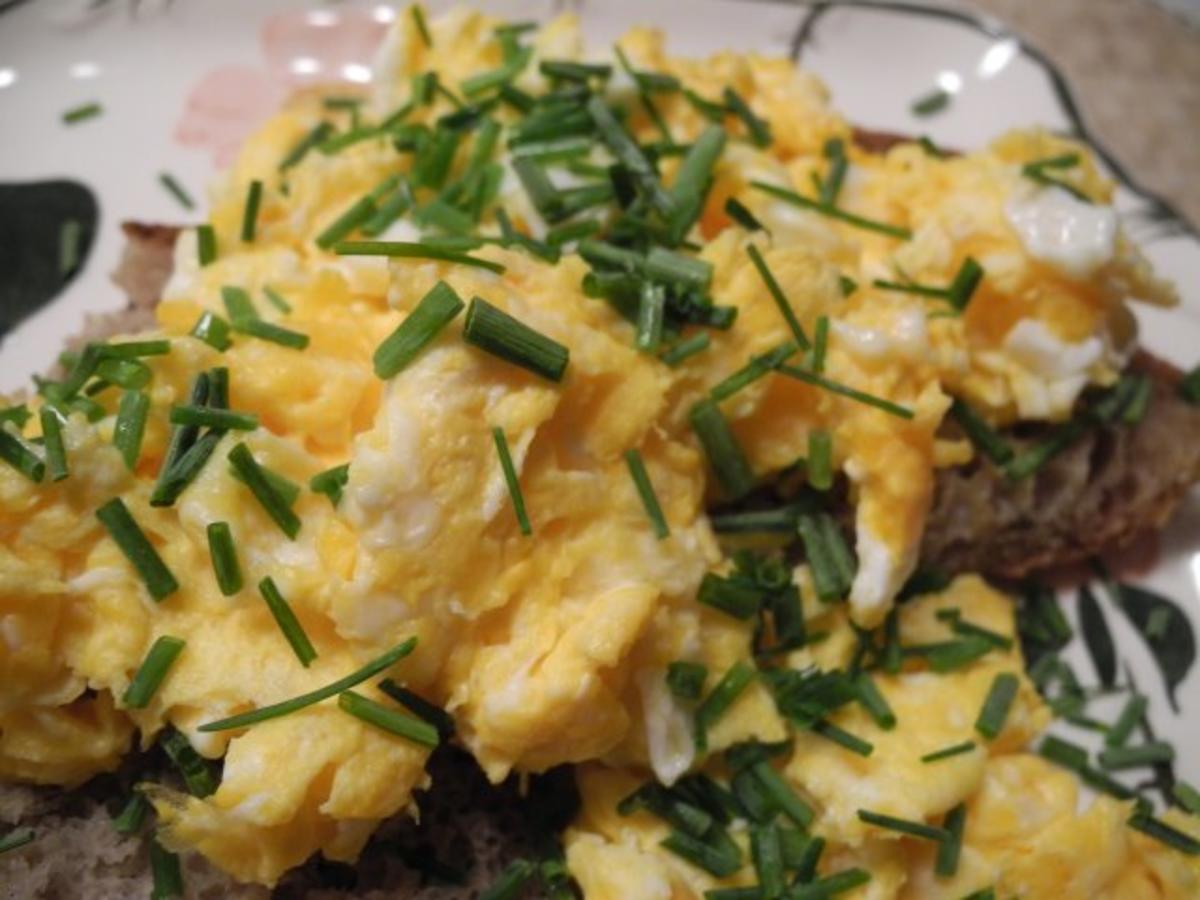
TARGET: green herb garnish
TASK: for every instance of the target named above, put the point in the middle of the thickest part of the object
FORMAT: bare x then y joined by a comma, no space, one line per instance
997,704
250,211
511,480
132,542
286,619
166,872
255,478
720,445
176,190
641,480
52,443
224,558
416,730
152,671
191,765
948,752
77,114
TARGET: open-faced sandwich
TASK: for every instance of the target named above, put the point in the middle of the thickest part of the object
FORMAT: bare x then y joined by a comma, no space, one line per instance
621,417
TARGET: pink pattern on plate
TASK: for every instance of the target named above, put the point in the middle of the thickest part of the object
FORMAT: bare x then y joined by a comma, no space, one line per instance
299,48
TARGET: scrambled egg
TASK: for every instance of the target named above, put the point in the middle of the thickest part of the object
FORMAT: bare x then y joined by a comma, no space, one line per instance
553,649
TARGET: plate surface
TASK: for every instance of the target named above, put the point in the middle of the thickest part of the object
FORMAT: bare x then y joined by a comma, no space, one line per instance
180,82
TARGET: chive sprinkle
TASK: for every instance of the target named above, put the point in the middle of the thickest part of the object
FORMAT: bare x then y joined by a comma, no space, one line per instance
948,752
819,466
951,848
492,329
152,671
629,154
641,480
255,478
286,619
719,699
843,738
354,216
688,347
435,310
16,839
510,479
166,872
419,706
132,815
1164,833
752,371
835,387
131,540
191,765
873,701
929,104
1064,753
736,597
168,181
511,882
269,331
777,294
331,482
1149,754
781,520
986,439
830,885
997,705
767,856
738,211
82,113
250,211
418,15
175,477
685,680
56,453
17,454
274,711
224,558
816,356
416,730
904,826
213,330
300,149
1187,797
829,579
725,455
782,795
650,317
70,234
206,244
410,250
758,130
207,417
833,212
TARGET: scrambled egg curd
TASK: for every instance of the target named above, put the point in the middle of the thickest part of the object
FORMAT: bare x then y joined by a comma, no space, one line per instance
686,280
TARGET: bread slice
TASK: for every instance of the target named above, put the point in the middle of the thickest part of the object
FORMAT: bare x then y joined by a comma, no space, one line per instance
1113,484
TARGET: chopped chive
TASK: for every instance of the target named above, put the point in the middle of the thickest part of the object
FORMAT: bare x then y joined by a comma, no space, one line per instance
820,345
213,330
767,857
168,181
418,15
997,705
1065,753
208,417
152,671
692,180
755,369
166,872
16,839
511,882
929,104
831,577
719,860
1187,797
82,113
641,480
740,213
835,387
831,185
250,211
331,482
966,280
819,466
255,478
782,520
1149,754
191,765
286,619
409,250
629,154
206,244
132,815
782,794
951,848
650,317
1165,834
781,300
568,70
268,331
982,435
275,710
419,706
905,826
952,655
688,347
736,597
70,235
830,885
873,701
676,268
181,441
276,299
300,149
174,478
435,310
416,730
355,215
130,374
686,680
510,479
224,558
719,699
833,212
1034,458
759,130
721,446
948,752
17,454
18,415
56,453
502,335
843,738
132,541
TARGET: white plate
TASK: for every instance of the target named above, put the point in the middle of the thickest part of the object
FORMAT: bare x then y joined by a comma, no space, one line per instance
144,62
